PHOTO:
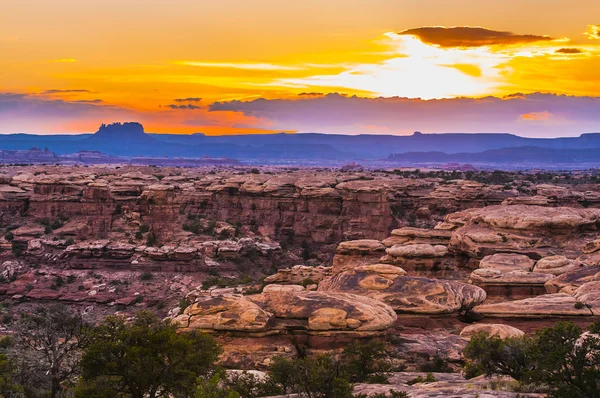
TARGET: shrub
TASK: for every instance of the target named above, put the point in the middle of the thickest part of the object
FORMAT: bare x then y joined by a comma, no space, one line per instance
436,365
559,357
9,236
151,241
429,378
140,357
366,361
307,282
146,276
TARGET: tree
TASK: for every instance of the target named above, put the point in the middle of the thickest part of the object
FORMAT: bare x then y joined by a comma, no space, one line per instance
8,386
365,360
568,361
561,357
147,357
492,355
213,386
321,377
282,371
48,343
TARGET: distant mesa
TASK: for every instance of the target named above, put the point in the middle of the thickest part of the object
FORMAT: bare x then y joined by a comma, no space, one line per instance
121,132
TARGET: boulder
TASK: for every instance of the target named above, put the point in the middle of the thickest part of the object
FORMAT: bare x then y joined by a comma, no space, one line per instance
572,280
407,294
544,306
589,294
327,311
492,329
484,276
556,265
233,313
283,288
505,262
421,250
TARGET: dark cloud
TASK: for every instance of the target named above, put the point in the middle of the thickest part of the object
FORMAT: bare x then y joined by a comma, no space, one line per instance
188,106
569,51
310,94
192,99
523,114
65,91
94,101
466,36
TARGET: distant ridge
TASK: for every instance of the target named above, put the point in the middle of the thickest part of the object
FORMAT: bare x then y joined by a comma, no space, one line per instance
130,139
516,155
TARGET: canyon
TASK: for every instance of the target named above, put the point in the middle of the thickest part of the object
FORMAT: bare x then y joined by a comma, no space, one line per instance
277,260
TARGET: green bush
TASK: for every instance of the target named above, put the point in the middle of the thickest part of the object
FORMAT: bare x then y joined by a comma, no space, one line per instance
366,361
559,357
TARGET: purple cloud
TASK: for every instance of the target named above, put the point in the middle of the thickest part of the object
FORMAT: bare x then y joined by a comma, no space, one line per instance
535,114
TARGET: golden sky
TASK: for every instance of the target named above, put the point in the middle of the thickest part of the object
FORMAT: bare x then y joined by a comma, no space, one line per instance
69,65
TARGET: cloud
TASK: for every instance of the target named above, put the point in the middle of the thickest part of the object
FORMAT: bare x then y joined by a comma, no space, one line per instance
94,101
239,65
414,69
593,32
188,106
467,36
36,113
569,51
535,116
64,60
191,99
523,114
55,91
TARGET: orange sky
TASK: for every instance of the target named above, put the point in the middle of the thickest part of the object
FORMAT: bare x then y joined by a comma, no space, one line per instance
113,60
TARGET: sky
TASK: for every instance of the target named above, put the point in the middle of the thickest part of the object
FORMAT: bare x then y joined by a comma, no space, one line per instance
527,67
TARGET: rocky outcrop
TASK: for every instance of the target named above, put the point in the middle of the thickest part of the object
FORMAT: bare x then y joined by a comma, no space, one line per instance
235,313
407,294
544,306
289,310
299,274
492,329
556,265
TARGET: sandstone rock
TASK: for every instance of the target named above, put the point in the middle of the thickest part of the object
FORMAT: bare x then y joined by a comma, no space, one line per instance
120,250
282,288
544,306
493,329
417,251
533,218
592,246
297,274
327,311
485,276
507,262
573,279
556,265
592,259
407,294
589,294
419,235
235,313
29,231
362,246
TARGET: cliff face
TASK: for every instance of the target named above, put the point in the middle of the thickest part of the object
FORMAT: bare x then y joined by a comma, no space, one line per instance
318,208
